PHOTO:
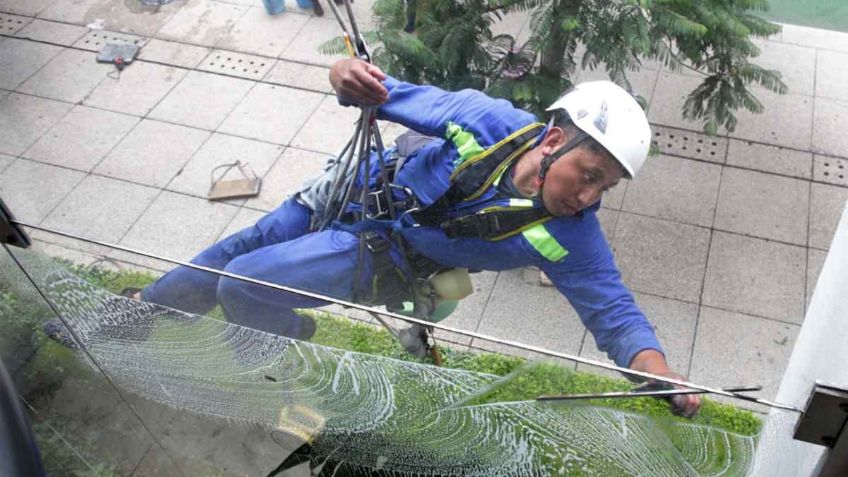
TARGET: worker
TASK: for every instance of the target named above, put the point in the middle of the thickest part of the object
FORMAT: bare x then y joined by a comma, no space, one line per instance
545,182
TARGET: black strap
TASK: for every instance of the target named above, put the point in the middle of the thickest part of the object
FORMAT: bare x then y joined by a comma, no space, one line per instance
491,225
472,177
389,285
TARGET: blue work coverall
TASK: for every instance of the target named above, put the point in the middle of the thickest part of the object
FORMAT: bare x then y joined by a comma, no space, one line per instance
281,247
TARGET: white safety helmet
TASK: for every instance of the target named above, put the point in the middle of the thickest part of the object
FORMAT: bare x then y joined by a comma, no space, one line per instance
612,117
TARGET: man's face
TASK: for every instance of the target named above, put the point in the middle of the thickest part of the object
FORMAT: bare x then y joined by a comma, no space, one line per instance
578,179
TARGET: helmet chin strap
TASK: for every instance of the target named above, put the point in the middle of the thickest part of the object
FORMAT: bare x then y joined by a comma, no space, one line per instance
547,161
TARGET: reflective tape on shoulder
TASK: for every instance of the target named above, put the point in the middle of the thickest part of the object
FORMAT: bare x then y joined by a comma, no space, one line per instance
464,141
545,243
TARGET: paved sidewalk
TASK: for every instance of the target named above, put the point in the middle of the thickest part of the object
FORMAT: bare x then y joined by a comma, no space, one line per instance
721,238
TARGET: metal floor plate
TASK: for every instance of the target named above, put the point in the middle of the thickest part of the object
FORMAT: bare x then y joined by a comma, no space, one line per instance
683,143
236,64
97,39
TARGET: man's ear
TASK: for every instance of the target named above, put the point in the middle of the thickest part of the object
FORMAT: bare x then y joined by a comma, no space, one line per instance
554,139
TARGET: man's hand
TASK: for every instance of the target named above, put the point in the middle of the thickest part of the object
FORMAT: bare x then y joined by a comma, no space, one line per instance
652,361
359,82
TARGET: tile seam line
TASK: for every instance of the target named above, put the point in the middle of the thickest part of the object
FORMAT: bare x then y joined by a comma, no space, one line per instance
194,68
706,266
262,80
730,232
753,141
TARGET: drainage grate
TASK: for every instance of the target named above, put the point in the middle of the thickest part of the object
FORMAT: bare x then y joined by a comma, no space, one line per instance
683,143
97,39
10,24
237,64
832,170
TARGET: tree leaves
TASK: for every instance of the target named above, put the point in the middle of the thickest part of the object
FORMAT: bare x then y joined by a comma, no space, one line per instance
454,47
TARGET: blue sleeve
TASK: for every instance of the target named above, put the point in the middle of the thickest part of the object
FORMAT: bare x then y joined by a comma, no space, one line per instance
429,110
590,280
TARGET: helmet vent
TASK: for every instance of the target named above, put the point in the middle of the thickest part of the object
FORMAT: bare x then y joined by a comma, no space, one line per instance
831,170
679,142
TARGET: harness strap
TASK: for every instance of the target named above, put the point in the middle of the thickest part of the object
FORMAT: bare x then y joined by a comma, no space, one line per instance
495,224
474,176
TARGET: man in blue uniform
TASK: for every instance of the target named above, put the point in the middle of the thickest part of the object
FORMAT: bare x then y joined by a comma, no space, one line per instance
493,190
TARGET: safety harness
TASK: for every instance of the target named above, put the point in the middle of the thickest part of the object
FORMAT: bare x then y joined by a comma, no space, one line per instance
471,179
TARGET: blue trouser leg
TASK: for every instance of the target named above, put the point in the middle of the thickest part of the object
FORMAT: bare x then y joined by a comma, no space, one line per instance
321,262
196,291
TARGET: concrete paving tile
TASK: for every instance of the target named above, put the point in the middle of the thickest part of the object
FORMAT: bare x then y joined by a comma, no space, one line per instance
608,219
815,263
667,102
271,113
63,252
138,90
310,77
470,310
70,76
675,189
815,37
3,94
129,17
286,177
796,64
11,24
236,64
660,257
832,170
203,22
194,177
52,32
313,34
96,40
330,116
82,138
100,208
755,276
153,153
23,119
529,314
261,34
32,190
734,348
787,121
19,59
218,95
29,8
826,205
674,322
6,161
766,158
831,70
173,53
244,218
829,128
642,82
178,226
613,198
689,144
763,205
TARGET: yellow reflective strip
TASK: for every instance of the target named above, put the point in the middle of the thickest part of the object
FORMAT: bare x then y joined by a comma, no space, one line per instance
465,163
545,243
464,141
521,229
